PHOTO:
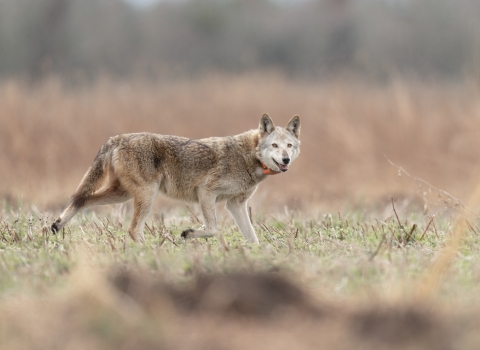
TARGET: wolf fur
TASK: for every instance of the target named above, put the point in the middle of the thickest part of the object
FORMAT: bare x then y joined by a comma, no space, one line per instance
140,166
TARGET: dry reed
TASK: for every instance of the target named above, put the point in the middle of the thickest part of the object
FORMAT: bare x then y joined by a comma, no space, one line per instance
50,132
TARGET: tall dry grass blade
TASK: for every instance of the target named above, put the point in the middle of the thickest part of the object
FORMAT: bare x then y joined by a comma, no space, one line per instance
436,273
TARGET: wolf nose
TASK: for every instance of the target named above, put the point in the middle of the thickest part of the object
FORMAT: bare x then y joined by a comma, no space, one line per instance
286,160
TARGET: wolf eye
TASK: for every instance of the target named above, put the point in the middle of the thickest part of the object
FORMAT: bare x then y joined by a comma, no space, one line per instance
289,145
274,145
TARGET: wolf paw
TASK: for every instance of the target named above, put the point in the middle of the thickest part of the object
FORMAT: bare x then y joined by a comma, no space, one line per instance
54,226
186,233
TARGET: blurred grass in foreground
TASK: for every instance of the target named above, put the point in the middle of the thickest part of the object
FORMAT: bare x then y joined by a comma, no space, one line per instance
90,286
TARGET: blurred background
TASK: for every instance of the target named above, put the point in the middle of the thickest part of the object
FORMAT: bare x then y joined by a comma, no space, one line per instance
313,39
370,78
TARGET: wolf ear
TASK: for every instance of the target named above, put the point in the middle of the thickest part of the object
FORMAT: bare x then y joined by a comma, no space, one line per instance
294,126
266,124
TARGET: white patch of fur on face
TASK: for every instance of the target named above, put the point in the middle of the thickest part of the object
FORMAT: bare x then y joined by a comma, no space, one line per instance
278,146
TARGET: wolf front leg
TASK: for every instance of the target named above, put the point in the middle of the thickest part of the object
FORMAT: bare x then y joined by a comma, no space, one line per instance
207,204
237,206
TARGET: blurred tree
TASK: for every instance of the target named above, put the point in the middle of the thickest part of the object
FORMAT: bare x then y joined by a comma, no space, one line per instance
48,46
304,38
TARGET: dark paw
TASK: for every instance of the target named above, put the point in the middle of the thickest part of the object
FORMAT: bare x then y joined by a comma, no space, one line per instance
54,227
185,234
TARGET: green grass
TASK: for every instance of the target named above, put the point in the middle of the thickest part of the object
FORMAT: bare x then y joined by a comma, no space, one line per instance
53,290
334,255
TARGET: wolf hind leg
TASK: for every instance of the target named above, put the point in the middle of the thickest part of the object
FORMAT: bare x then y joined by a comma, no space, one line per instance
143,202
64,218
110,194
90,182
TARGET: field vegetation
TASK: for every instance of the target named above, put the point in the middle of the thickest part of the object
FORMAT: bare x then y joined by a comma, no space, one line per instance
345,282
369,241
51,131
352,255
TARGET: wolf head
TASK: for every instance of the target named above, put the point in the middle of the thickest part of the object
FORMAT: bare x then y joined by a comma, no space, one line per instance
278,147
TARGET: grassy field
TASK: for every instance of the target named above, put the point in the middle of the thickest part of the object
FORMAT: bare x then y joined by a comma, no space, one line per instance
50,133
340,265
344,280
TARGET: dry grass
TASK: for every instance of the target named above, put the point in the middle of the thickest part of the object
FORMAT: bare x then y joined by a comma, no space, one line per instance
362,278
49,133
340,283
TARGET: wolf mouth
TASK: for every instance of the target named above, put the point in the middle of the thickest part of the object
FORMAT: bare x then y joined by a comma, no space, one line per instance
282,167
